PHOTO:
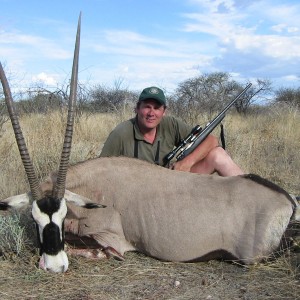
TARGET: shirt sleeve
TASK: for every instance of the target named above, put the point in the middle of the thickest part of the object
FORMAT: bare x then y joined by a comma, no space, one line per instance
182,130
113,145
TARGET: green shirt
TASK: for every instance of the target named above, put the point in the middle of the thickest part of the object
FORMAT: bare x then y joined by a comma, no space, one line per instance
123,140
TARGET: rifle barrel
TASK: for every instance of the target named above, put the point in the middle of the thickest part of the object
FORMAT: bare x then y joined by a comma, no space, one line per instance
210,126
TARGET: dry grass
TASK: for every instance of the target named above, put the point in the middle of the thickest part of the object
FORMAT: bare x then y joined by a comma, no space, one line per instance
264,144
44,138
141,277
268,145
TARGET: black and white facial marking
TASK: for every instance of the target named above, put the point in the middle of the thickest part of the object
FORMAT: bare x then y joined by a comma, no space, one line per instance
49,215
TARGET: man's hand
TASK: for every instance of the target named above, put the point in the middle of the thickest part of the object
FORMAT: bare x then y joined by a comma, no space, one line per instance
197,156
181,166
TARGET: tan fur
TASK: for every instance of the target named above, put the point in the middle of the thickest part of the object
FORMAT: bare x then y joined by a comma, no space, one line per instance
173,215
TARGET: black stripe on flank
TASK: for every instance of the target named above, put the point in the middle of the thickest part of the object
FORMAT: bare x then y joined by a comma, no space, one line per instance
269,184
218,254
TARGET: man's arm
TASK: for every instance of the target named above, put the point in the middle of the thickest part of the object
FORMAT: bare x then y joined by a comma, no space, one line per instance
112,146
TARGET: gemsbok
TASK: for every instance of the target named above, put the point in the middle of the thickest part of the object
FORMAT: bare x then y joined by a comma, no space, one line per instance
107,206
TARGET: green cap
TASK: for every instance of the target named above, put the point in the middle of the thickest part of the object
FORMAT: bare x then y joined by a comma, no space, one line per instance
153,92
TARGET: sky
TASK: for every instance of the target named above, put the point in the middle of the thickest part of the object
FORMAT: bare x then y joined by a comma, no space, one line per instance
140,43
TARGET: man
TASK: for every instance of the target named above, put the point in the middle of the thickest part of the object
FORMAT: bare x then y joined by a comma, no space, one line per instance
151,136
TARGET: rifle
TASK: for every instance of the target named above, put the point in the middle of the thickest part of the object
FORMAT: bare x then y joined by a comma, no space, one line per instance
197,135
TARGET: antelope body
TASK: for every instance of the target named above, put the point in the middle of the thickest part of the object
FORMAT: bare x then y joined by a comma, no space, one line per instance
122,204
176,216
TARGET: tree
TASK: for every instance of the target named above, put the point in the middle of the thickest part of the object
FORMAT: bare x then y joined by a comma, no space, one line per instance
289,96
116,99
39,99
260,91
210,93
3,113
207,93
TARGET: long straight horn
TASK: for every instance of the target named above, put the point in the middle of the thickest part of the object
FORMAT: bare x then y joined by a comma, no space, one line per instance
59,189
29,169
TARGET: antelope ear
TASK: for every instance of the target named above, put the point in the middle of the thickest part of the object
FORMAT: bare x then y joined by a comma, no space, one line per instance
81,200
16,202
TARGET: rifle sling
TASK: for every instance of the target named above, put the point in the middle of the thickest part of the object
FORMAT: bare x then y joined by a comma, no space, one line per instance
222,136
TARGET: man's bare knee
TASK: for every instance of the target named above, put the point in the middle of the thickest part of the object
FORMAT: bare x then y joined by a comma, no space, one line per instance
223,163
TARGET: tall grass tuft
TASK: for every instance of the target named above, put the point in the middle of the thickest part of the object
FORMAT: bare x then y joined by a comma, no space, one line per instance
16,234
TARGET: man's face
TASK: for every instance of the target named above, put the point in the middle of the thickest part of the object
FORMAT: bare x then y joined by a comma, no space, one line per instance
149,114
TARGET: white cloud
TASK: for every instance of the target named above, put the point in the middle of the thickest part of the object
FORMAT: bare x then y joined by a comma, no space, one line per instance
31,46
291,78
270,45
27,55
128,43
293,29
216,5
279,27
279,13
44,78
233,30
142,59
139,72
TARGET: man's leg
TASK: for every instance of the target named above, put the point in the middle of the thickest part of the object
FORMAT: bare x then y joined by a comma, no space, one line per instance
217,160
